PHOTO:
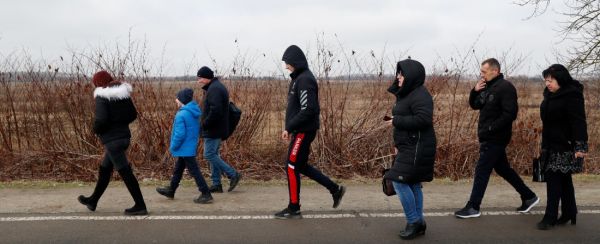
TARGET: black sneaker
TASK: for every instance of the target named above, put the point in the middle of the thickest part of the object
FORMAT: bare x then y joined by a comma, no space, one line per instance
528,204
288,214
204,199
166,191
234,182
337,196
467,212
216,189
136,210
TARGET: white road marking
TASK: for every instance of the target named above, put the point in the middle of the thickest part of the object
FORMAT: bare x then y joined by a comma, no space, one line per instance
256,217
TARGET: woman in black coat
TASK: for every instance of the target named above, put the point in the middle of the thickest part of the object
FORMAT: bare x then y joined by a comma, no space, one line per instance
114,112
564,143
415,142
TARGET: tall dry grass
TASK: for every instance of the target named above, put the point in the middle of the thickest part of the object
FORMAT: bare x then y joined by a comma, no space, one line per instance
46,113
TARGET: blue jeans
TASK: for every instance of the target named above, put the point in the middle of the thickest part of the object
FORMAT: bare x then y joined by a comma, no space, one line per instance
411,197
217,165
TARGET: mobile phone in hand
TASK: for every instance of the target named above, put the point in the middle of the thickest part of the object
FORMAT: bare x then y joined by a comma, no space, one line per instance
387,118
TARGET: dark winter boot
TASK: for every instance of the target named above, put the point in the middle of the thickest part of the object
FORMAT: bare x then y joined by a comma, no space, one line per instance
101,185
134,189
166,191
412,230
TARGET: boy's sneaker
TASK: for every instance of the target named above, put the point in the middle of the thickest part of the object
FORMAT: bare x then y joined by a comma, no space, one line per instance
204,199
528,204
337,197
288,214
166,191
467,212
216,189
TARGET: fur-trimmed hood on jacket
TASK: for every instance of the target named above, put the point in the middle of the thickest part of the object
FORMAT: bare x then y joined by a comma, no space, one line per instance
114,111
114,91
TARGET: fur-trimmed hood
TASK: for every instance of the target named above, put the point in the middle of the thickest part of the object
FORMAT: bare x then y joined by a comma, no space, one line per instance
116,91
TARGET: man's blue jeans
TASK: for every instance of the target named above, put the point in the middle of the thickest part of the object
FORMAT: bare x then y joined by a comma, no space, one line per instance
411,197
217,165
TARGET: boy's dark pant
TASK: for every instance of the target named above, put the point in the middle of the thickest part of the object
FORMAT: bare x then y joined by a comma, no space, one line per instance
193,169
297,162
493,157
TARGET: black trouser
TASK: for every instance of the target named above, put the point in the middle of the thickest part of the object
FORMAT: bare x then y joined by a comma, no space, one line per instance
493,157
193,169
559,188
297,162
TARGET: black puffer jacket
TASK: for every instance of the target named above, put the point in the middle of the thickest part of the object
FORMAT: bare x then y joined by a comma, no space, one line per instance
563,119
414,136
302,113
215,110
498,109
114,112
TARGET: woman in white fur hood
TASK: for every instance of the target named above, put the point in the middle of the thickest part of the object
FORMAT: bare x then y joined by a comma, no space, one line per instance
114,112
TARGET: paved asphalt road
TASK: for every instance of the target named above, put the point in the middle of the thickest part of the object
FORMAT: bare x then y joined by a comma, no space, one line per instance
348,228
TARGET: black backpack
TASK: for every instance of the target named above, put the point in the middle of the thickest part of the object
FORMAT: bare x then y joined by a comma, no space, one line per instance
235,114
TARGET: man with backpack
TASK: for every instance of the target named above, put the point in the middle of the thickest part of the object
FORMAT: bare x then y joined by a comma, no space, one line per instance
215,128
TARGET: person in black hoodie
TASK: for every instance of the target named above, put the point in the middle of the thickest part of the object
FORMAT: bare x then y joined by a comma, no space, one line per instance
414,142
114,112
564,143
301,125
215,127
496,100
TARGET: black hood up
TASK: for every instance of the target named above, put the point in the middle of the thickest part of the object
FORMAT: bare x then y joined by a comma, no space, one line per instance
294,56
414,76
573,87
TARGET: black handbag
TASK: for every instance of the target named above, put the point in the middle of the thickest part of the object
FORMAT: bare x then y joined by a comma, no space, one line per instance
539,166
387,186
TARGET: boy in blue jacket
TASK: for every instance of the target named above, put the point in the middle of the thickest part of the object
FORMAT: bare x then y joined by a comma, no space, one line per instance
184,141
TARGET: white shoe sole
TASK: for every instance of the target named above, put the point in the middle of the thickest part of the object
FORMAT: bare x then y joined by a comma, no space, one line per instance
468,216
291,217
530,206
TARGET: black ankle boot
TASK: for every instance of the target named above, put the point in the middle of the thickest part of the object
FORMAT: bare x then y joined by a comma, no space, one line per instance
88,202
101,185
412,230
134,189
545,224
564,219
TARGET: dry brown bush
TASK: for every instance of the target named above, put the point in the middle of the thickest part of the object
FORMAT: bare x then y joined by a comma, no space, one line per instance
46,116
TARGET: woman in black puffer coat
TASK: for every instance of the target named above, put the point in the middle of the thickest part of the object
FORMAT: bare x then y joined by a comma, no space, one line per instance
114,112
415,142
564,143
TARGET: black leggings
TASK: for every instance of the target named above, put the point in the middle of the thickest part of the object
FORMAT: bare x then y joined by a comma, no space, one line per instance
115,154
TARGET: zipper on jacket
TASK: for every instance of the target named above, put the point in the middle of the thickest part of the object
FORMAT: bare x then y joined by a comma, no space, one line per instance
417,149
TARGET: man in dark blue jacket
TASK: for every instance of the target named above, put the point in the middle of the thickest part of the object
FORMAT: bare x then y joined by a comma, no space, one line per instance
215,124
496,100
301,125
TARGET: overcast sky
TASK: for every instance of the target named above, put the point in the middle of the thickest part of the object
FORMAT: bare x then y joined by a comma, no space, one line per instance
187,31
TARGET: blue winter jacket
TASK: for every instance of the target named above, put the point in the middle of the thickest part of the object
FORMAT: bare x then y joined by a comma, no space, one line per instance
186,130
